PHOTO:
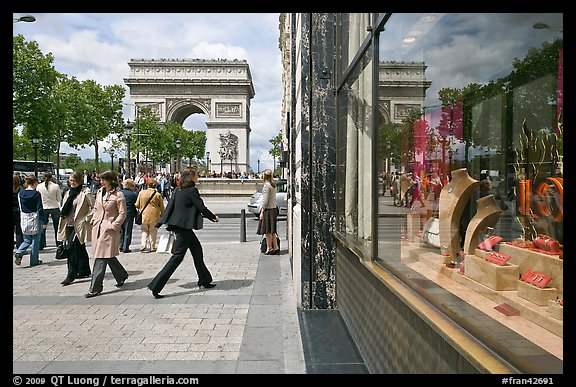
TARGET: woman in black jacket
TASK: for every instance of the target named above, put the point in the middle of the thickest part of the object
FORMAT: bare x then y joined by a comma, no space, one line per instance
183,215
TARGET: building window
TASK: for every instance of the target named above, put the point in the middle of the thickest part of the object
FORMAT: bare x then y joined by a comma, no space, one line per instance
469,145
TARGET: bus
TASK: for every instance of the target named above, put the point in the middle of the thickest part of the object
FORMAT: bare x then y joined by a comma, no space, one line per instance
26,167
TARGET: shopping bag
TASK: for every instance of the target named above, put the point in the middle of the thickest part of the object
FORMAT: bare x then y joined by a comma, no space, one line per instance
166,242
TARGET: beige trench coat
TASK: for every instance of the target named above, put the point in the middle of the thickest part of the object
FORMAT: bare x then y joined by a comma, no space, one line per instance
82,217
108,215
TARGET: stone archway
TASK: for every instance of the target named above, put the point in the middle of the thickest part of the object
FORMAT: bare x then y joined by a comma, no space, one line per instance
220,89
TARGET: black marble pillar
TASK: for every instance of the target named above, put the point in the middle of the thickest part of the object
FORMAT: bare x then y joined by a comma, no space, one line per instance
318,177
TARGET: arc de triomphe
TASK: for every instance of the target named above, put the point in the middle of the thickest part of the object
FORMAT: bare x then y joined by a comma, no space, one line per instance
221,89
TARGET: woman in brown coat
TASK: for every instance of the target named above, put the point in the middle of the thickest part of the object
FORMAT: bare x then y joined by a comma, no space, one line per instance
108,215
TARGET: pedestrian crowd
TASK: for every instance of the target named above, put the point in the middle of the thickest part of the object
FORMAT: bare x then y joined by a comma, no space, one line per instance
94,215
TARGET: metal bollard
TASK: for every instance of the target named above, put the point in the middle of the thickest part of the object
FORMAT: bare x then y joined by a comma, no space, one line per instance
242,225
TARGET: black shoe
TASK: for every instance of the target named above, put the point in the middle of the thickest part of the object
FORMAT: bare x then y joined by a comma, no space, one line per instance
67,281
119,284
127,251
276,252
156,294
39,263
271,252
90,295
207,286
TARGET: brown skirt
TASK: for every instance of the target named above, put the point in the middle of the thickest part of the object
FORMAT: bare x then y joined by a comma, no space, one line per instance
267,225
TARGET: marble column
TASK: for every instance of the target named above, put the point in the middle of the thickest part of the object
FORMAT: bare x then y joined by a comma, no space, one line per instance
318,163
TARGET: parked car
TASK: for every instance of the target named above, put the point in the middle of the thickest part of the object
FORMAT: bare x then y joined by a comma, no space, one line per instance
281,199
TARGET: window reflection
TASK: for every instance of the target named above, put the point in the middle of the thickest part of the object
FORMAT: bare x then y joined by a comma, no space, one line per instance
479,94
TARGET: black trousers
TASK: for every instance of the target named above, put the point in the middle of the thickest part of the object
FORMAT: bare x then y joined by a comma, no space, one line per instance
185,239
99,269
78,260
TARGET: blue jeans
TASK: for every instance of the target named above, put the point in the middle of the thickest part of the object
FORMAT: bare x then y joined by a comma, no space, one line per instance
33,240
126,233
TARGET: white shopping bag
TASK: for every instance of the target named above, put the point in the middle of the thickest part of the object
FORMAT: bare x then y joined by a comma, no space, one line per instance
166,242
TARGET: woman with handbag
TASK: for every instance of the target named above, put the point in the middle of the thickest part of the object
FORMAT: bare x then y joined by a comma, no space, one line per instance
269,214
108,215
183,215
75,228
32,220
151,206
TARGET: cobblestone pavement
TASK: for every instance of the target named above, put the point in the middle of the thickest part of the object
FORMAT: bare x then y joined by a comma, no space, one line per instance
247,324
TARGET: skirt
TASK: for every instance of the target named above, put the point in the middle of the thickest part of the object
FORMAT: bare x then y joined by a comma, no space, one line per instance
267,225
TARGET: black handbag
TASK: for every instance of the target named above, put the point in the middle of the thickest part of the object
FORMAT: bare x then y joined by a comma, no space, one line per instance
264,247
138,219
62,251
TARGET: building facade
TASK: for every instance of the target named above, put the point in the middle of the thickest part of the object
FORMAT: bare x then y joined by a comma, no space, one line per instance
426,185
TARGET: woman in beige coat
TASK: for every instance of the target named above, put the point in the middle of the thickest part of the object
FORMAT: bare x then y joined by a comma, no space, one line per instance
108,215
75,228
151,214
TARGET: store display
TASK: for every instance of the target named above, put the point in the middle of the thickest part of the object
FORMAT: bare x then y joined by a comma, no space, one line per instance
544,242
535,278
487,215
544,207
453,198
431,232
520,243
497,258
489,243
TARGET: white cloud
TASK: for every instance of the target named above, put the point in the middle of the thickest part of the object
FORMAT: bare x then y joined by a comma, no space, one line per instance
207,50
99,46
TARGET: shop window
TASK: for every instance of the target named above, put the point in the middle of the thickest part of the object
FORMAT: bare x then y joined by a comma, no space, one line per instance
470,145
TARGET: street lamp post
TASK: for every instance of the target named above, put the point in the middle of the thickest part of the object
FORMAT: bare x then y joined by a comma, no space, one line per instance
128,130
258,166
35,142
207,163
178,144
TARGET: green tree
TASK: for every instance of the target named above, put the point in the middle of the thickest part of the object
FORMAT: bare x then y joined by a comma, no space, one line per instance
275,150
99,114
73,162
33,79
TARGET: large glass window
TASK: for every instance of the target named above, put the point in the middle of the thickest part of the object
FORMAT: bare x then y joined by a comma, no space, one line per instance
470,146
469,165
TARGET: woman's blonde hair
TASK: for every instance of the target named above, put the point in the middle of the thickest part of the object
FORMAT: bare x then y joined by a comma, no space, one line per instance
268,176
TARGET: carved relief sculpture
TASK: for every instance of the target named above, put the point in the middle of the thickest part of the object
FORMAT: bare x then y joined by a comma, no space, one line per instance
228,146
453,198
487,215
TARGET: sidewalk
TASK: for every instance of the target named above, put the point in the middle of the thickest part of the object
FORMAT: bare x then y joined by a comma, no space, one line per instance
247,324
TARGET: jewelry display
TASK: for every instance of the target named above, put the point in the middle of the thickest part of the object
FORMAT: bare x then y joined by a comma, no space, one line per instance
453,198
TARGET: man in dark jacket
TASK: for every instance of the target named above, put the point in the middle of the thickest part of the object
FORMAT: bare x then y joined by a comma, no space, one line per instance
129,191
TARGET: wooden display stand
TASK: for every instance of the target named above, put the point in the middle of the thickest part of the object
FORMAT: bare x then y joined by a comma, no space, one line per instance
453,198
527,259
490,274
556,310
487,215
535,294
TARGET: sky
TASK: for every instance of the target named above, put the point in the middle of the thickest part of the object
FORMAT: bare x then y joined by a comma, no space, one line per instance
98,46
461,48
